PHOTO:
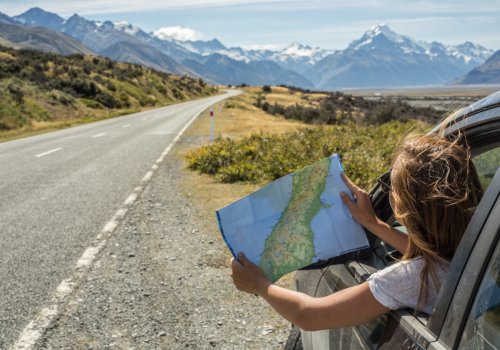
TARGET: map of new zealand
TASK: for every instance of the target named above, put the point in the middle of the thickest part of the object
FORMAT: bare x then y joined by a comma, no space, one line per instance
293,222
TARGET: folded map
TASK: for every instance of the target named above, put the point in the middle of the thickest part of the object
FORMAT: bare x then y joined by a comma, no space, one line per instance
294,221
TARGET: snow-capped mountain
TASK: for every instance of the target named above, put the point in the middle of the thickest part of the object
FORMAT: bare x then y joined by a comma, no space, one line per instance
297,51
298,57
381,37
487,73
470,53
295,57
96,35
202,47
380,57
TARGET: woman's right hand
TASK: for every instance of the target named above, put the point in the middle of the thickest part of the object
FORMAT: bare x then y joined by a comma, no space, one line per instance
361,210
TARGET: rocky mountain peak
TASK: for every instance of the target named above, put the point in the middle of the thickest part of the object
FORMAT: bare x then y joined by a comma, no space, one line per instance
40,18
383,29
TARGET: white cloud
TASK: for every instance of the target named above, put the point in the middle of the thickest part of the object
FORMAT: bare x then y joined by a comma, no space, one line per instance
177,33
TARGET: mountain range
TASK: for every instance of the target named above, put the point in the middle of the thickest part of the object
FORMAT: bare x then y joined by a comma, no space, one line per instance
380,58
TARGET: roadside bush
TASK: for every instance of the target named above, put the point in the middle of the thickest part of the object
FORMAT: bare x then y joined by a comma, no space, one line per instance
107,100
16,92
366,152
91,103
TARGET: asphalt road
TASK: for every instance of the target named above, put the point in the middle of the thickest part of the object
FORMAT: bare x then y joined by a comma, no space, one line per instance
58,190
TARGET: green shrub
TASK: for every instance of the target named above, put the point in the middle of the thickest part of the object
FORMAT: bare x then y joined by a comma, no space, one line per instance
366,152
92,104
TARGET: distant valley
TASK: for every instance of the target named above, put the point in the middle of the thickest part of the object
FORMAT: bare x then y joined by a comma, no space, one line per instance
380,58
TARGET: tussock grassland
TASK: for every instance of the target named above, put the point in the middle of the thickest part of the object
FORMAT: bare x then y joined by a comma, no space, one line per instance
238,117
286,97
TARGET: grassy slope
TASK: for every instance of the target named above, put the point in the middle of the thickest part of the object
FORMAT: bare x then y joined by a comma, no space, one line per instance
41,91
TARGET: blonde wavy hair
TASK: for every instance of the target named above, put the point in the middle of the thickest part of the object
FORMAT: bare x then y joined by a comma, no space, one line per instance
435,190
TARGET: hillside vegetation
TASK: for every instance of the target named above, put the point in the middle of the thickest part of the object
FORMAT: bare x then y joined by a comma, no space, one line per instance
259,158
39,89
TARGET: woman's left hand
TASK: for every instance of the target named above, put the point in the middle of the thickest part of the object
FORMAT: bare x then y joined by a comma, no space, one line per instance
248,277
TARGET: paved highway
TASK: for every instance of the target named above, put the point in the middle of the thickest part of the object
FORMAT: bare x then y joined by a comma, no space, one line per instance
58,190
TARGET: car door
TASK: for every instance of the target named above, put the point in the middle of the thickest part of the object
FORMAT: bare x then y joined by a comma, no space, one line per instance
469,311
402,329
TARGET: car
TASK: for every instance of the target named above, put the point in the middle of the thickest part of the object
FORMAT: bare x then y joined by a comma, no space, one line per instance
467,310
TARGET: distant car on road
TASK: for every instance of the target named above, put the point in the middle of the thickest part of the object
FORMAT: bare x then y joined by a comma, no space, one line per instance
467,311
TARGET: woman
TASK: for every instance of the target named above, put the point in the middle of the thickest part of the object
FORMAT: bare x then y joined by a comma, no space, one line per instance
433,192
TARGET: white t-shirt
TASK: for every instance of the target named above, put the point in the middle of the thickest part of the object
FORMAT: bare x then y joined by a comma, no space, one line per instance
398,286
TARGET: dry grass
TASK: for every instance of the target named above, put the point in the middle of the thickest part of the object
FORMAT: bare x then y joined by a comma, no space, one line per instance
285,97
6,55
238,117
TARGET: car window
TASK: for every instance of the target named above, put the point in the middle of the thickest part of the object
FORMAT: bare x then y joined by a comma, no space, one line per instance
486,166
482,331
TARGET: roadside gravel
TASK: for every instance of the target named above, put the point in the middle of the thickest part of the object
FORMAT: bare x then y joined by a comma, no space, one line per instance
162,282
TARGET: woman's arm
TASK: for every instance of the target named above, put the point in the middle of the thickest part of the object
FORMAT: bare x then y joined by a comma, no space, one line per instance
348,307
362,211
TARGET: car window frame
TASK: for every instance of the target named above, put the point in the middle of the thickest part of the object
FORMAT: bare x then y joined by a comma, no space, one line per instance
481,138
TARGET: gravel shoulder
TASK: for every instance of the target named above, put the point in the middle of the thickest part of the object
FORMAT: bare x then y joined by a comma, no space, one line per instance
162,282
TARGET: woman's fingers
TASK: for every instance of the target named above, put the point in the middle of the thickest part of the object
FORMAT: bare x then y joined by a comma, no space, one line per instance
350,184
247,276
242,258
347,201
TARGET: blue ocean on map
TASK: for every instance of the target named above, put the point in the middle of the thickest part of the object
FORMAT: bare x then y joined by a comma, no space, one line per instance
259,212
336,216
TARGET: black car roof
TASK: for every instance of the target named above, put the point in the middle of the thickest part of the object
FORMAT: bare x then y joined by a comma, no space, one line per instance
480,112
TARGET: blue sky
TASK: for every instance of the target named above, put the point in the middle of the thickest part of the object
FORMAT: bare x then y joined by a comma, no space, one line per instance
329,24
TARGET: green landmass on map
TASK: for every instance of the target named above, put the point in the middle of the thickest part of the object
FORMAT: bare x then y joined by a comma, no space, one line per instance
290,245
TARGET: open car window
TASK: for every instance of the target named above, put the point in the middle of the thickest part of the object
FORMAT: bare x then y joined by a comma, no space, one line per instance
483,323
486,165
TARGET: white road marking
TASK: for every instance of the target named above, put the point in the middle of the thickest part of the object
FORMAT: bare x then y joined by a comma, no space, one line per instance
148,176
99,135
48,152
87,257
36,328
130,199
126,125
